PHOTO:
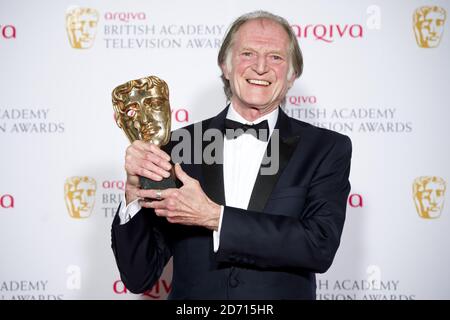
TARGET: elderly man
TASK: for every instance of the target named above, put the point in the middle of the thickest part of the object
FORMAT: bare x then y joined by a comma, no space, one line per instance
233,231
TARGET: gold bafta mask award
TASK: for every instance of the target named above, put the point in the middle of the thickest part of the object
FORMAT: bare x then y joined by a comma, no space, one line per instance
429,196
428,24
81,26
142,111
79,194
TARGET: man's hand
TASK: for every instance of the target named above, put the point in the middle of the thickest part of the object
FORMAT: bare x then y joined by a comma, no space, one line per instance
146,160
188,205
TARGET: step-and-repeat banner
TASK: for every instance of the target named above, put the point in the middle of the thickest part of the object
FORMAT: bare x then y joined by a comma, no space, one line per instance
377,71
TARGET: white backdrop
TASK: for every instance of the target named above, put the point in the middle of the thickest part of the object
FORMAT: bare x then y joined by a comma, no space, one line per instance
365,75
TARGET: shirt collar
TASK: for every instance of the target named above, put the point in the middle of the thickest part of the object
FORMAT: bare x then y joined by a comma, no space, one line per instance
271,118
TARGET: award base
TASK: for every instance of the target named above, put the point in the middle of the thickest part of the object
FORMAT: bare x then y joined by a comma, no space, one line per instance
165,183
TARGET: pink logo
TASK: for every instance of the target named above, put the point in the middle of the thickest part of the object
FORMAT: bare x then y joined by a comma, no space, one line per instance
302,100
125,16
8,31
6,201
328,33
180,115
355,200
162,287
113,184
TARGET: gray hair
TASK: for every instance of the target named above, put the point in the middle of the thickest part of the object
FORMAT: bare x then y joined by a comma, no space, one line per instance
224,56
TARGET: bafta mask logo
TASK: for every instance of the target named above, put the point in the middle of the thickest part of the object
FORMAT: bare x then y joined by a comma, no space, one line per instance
428,24
81,25
429,196
79,193
142,110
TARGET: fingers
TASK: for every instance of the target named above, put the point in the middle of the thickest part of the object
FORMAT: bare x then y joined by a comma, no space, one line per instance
147,160
153,193
168,199
160,153
172,216
152,148
152,153
147,170
158,161
181,175
180,206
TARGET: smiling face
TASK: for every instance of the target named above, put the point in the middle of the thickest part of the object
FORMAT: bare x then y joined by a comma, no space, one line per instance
258,68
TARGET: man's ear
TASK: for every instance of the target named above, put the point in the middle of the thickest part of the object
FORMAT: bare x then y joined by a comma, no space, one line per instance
292,79
225,71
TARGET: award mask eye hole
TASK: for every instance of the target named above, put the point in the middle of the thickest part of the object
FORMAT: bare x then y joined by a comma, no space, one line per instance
154,103
131,113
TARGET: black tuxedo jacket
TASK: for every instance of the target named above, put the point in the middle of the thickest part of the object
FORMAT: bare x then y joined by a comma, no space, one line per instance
290,230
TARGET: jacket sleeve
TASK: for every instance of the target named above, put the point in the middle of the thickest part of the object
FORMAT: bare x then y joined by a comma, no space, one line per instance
306,240
141,248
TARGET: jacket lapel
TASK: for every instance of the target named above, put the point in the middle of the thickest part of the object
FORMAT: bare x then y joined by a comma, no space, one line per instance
213,173
265,183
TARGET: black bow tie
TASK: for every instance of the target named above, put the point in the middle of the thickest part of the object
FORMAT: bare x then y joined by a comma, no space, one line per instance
234,129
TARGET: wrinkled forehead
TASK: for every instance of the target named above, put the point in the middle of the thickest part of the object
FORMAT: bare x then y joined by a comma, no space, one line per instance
262,31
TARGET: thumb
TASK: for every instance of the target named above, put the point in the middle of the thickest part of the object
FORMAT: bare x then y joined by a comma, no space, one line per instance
181,175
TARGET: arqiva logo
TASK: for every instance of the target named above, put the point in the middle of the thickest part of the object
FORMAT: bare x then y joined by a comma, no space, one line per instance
7,32
159,291
328,32
6,201
355,200
125,16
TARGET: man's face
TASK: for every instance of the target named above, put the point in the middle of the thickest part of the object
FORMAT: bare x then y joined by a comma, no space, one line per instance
430,199
82,26
80,197
429,29
258,72
147,115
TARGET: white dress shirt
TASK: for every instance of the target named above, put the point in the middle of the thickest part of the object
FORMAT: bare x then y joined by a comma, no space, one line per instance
242,160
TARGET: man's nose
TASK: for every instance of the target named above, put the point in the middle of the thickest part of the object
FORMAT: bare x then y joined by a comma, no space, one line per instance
260,66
